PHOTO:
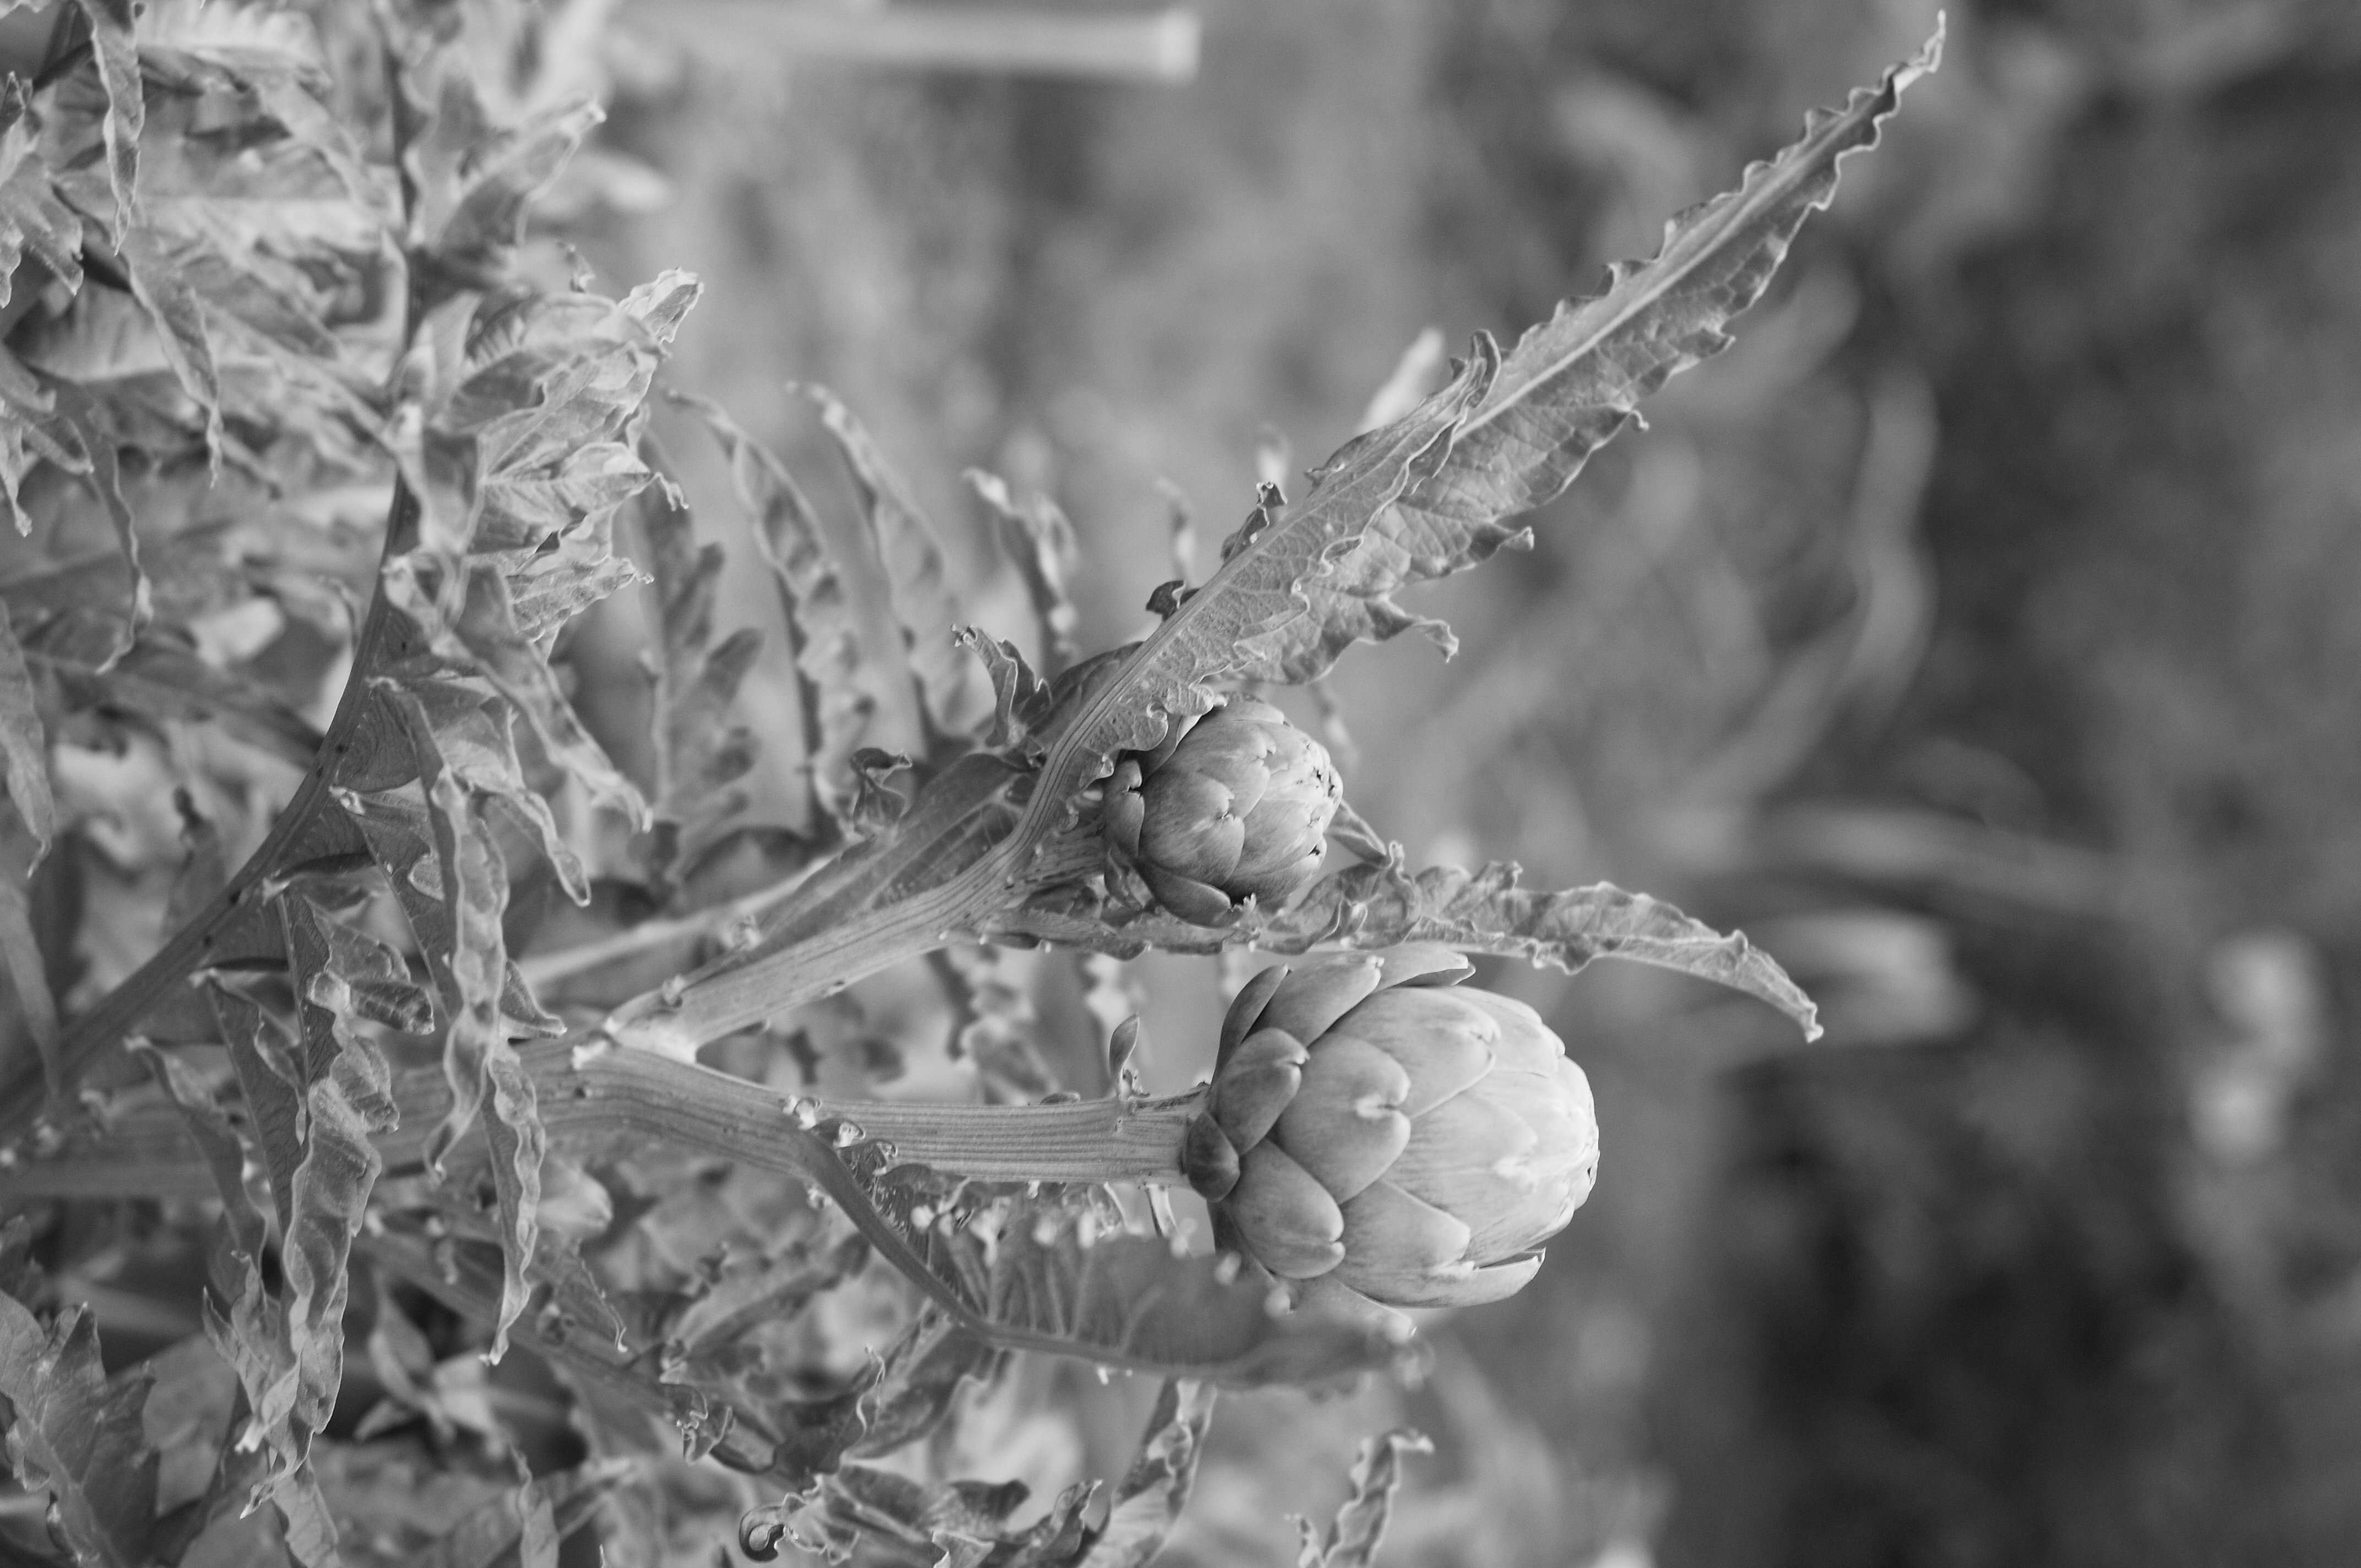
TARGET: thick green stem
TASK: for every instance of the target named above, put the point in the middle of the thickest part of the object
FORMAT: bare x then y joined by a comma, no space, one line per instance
602,1101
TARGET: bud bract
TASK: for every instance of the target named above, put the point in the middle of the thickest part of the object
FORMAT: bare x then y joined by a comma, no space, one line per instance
1376,1135
1236,805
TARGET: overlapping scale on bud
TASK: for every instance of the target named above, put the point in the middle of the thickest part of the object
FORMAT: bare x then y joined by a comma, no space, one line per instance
1376,1135
1232,804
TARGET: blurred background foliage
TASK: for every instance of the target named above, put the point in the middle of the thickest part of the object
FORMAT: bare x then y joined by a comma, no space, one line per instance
1978,634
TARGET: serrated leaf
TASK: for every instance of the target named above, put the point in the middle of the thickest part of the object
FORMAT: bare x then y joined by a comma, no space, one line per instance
473,734
479,1065
823,627
401,838
1486,910
1426,495
270,1081
1156,1487
1207,638
254,1338
32,216
1021,701
347,974
330,1192
1360,1523
78,1436
1056,1272
1573,381
33,432
913,558
487,639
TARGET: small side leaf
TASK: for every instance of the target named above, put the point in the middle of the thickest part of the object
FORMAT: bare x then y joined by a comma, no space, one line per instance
1039,538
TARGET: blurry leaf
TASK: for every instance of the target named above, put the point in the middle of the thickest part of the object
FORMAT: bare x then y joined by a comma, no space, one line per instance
111,28
31,216
912,558
699,754
20,947
203,873
1424,365
33,431
823,627
78,1436
963,1519
1156,1487
996,1023
1378,905
166,680
1360,1524
475,181
24,746
159,282
524,1527
95,437
1041,541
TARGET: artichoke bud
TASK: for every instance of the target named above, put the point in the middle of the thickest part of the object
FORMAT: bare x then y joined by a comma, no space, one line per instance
1233,805
1377,1137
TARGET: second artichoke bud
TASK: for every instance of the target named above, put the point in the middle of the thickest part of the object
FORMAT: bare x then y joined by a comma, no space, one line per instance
1234,806
1376,1136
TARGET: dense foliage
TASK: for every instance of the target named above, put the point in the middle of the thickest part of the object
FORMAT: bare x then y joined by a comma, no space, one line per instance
378,1030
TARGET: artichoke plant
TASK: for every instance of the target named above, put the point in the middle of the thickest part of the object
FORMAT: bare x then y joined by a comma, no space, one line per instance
1232,805
1377,1137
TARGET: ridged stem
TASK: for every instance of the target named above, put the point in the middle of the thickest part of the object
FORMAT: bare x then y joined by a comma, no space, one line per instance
618,1098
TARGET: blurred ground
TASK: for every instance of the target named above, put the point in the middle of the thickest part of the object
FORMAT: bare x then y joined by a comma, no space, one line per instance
1979,634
